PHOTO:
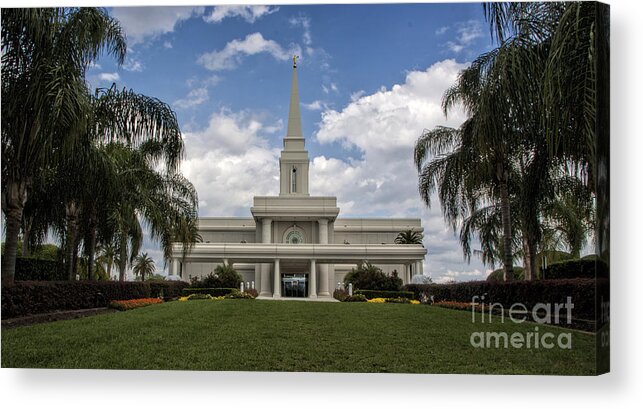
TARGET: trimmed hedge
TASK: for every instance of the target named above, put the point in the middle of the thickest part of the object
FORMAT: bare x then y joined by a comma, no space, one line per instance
582,290
577,268
214,292
38,297
28,269
370,294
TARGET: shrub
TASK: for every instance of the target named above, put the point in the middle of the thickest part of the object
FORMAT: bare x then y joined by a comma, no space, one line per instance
167,290
223,276
340,294
355,298
369,294
199,296
239,295
252,292
214,292
499,275
587,267
124,305
369,277
583,292
28,269
37,297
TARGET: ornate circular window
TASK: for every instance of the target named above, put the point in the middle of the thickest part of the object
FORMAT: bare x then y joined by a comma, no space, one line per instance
294,237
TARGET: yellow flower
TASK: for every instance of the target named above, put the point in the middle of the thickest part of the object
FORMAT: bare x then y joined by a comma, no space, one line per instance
183,298
415,302
377,300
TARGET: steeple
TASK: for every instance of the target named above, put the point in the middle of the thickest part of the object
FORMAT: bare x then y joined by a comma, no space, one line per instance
294,163
294,117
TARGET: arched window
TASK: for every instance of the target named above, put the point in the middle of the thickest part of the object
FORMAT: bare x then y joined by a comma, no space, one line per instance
293,180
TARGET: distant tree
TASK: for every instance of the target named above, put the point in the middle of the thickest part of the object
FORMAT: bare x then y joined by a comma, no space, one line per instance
143,265
228,276
409,237
369,277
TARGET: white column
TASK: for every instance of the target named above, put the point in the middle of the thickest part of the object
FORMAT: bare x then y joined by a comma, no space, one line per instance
421,267
277,284
323,231
265,281
312,287
323,268
266,233
175,267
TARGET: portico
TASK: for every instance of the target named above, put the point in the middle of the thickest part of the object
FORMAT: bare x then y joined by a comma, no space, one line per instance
294,245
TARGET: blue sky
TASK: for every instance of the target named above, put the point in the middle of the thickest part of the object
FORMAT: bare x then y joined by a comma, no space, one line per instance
371,78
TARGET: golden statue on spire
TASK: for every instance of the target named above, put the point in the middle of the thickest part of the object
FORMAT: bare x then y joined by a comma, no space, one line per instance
294,61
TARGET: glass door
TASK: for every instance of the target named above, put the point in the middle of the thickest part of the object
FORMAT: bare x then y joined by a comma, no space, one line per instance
294,285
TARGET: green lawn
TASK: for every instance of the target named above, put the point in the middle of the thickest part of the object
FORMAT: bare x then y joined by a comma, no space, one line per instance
244,335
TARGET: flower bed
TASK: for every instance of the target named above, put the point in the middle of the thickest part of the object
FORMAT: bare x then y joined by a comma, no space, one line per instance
396,300
456,305
235,294
124,305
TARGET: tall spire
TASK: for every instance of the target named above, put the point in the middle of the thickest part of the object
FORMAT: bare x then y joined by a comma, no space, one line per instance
293,162
294,117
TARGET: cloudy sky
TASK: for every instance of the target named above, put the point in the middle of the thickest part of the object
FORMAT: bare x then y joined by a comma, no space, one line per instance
371,78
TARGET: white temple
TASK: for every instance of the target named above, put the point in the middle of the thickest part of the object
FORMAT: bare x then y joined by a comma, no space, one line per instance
294,245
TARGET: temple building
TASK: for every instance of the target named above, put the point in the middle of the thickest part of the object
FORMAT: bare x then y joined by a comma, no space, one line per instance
295,245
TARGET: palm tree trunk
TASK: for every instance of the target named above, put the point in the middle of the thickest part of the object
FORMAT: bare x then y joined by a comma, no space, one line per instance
505,211
13,204
122,262
91,247
529,258
109,267
72,242
26,231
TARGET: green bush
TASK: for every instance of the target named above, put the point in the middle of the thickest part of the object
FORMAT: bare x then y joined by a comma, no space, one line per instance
340,294
37,297
370,294
369,277
582,290
223,276
239,295
586,267
33,269
355,298
214,292
498,275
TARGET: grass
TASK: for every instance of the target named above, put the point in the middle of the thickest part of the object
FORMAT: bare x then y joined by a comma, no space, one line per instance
244,335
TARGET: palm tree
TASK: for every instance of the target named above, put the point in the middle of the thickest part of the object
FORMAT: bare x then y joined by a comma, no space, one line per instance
143,265
409,237
45,52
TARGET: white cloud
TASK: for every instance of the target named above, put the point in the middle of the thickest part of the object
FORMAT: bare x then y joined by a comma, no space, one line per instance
142,23
133,64
467,32
195,97
231,161
249,13
230,56
330,87
470,275
441,30
109,76
383,128
304,23
316,105
167,44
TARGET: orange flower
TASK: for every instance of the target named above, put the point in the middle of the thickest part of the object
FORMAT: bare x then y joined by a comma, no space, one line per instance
124,305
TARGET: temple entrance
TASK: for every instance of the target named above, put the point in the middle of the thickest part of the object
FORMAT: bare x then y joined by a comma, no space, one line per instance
294,285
